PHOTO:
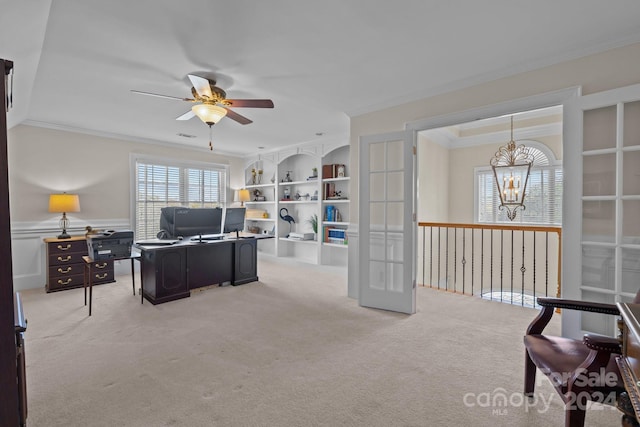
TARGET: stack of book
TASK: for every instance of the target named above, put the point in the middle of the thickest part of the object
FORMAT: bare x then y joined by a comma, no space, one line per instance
335,235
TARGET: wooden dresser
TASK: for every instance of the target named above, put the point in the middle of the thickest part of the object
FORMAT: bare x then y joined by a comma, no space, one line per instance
65,267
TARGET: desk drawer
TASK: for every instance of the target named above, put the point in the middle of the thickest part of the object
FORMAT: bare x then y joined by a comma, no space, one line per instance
103,276
102,265
102,271
56,248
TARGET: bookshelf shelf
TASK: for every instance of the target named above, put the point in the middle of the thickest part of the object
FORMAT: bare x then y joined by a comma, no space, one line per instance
293,194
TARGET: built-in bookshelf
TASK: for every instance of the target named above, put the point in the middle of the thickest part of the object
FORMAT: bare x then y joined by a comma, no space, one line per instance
305,185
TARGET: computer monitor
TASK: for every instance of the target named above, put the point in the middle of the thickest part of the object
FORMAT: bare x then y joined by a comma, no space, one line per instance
234,220
197,221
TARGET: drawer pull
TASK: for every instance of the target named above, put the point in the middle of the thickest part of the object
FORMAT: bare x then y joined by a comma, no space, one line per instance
65,282
65,248
65,259
101,276
66,270
103,265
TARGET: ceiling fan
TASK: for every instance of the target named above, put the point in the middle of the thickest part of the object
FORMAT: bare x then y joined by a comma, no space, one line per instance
212,103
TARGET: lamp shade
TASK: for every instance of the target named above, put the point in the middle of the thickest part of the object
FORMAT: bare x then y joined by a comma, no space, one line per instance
243,195
209,113
64,202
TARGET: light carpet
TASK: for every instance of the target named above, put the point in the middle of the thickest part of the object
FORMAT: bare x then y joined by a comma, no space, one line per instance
289,350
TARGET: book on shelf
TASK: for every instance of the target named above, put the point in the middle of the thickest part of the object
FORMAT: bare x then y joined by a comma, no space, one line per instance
335,235
329,190
332,214
327,171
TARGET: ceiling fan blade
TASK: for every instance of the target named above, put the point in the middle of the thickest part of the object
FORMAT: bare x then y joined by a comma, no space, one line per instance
253,103
162,96
238,117
186,116
201,85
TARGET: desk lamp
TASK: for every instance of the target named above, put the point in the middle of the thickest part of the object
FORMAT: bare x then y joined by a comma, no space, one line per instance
243,196
63,203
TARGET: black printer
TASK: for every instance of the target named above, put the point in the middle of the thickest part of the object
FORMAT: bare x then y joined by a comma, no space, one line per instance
110,244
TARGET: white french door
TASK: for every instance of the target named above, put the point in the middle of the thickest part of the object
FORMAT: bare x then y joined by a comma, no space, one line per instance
387,226
602,191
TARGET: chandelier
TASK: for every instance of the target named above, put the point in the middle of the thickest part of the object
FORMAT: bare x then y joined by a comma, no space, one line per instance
511,167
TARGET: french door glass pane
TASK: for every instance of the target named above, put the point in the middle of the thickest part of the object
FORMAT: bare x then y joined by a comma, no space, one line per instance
394,247
598,223
632,124
597,262
394,216
599,130
377,275
630,270
395,185
376,187
376,156
394,155
631,222
595,322
631,173
599,175
396,277
376,215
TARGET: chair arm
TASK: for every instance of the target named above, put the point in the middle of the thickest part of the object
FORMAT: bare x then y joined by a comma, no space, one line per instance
595,307
602,343
549,304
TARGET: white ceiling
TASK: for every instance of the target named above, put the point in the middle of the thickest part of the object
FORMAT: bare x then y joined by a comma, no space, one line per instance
76,62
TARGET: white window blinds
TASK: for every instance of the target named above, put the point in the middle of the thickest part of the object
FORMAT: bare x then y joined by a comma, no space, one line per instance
159,184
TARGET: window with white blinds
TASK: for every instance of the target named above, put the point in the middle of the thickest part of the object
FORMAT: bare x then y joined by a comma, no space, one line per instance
543,200
160,183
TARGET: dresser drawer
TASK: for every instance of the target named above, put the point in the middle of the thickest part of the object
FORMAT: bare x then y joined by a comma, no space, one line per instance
66,258
62,271
66,282
57,248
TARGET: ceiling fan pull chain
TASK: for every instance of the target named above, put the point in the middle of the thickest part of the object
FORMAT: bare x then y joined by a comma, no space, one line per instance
210,138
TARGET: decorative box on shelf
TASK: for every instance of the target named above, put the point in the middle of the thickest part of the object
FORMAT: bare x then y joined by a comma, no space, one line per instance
302,236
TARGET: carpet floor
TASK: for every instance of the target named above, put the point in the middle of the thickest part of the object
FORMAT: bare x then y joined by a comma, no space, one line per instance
289,350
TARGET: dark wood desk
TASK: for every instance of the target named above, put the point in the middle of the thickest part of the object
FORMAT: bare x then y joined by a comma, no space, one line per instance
171,272
629,361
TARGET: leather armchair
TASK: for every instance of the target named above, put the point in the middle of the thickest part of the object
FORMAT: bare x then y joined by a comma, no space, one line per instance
580,370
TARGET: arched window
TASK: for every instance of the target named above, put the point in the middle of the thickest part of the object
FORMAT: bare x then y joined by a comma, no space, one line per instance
543,201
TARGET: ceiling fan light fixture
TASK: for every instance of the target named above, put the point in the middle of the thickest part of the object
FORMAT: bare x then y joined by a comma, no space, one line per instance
208,113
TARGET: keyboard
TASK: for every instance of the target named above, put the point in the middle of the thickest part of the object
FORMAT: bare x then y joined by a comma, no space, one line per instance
207,237
156,242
